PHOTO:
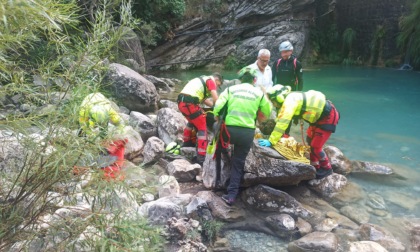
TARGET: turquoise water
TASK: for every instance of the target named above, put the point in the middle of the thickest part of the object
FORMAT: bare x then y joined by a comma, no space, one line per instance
380,120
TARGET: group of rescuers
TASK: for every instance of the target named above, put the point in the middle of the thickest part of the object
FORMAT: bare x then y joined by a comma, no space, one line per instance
244,103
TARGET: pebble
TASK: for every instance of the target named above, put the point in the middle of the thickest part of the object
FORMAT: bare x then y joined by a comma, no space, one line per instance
254,241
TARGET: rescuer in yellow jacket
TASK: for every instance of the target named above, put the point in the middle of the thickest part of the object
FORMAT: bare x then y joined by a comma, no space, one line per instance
314,108
196,92
95,113
244,104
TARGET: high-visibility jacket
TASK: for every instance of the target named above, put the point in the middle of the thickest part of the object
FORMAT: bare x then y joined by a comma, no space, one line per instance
306,105
243,102
96,111
197,88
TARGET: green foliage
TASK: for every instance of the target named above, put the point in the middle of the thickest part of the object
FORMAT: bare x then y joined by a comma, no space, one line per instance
206,9
211,228
163,15
230,63
409,38
46,39
349,35
376,44
324,43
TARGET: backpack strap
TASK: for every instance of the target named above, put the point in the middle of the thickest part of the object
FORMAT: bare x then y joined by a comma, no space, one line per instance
204,84
278,63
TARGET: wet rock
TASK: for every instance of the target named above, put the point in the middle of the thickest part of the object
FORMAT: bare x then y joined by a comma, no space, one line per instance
168,186
376,201
178,229
183,170
219,209
369,168
340,163
316,241
282,224
153,150
161,83
372,232
366,246
171,125
345,236
263,169
188,152
303,226
326,225
342,221
356,213
143,124
403,199
133,90
267,199
351,193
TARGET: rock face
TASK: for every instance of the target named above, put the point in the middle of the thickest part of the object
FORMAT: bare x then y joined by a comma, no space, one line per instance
263,169
130,50
133,90
255,23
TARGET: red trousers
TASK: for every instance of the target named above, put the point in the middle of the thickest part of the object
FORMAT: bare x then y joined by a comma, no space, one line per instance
197,118
116,149
317,136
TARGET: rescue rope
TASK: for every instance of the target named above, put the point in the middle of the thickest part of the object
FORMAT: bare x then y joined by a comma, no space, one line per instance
301,131
292,150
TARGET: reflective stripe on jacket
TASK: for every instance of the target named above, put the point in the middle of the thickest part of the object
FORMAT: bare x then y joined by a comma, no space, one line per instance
292,106
243,102
97,110
195,88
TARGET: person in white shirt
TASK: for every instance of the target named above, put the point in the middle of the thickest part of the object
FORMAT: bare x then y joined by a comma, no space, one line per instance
264,75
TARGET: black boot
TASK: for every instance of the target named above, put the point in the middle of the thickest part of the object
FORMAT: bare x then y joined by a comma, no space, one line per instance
322,173
188,144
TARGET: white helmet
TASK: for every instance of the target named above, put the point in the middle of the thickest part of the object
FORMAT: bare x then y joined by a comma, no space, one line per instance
285,46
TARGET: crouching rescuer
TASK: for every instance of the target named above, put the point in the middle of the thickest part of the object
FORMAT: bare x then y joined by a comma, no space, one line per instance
95,113
312,107
196,92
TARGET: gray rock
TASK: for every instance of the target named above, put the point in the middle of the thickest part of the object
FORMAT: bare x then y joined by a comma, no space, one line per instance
198,209
159,212
263,169
326,225
340,163
219,209
168,186
168,104
303,226
366,246
12,152
376,201
171,125
183,170
133,90
160,83
153,150
372,232
143,124
282,224
316,241
129,47
135,143
267,199
328,186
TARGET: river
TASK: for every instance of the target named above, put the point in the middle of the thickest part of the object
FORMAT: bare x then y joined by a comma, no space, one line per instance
379,123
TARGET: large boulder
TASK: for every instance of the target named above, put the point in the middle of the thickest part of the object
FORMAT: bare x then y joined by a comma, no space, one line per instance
265,166
340,163
267,199
171,125
153,150
133,90
130,50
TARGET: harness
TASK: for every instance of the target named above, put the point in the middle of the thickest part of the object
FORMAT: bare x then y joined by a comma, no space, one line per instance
194,100
294,64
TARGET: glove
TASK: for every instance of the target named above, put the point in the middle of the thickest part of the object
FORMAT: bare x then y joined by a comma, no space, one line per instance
264,142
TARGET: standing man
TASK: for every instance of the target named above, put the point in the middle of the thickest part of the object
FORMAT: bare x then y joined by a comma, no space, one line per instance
314,108
245,104
288,70
264,74
95,113
196,92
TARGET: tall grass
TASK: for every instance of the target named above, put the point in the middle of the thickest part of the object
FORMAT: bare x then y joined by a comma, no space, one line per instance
45,39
